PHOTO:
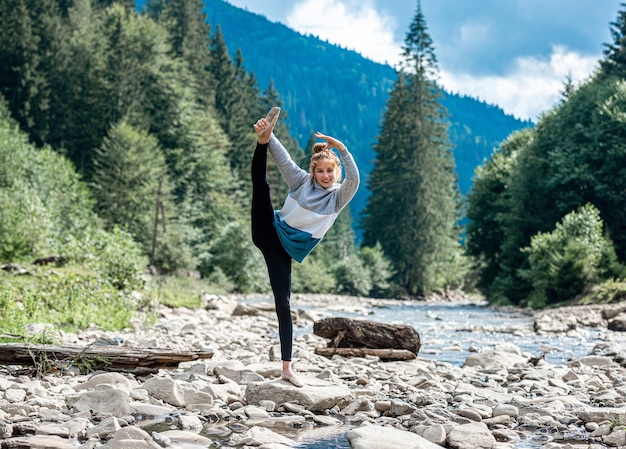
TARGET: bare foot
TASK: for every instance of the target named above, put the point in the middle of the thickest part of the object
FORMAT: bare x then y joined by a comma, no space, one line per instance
291,377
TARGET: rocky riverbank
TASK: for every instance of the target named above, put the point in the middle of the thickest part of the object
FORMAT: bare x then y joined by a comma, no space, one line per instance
500,398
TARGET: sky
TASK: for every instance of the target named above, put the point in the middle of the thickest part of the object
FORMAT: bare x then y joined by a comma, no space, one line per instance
516,54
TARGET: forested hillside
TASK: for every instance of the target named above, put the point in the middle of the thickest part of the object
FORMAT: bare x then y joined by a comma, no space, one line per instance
144,120
325,87
151,118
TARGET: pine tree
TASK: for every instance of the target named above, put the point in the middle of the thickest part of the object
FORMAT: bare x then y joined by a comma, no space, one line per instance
79,104
130,175
146,85
30,33
190,36
489,208
223,71
128,168
128,4
412,208
234,100
247,108
206,190
615,62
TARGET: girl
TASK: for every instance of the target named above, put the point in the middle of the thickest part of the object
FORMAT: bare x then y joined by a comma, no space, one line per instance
314,202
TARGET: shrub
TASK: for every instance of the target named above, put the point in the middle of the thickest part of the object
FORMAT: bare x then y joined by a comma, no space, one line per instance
25,224
353,278
380,271
177,291
570,257
235,255
313,276
114,256
42,200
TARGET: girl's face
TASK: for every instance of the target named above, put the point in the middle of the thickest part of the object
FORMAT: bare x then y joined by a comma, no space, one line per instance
325,173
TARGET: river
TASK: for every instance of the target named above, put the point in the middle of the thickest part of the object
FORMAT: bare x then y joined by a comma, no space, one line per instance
449,332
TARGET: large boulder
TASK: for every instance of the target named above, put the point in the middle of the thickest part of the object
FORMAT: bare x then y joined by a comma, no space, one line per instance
316,395
377,437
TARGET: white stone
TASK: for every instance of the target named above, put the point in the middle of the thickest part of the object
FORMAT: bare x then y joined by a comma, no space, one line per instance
141,408
435,434
116,380
316,395
258,436
105,427
378,437
15,395
471,436
506,409
113,402
255,412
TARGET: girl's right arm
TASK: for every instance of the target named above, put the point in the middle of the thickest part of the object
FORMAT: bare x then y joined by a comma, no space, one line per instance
294,176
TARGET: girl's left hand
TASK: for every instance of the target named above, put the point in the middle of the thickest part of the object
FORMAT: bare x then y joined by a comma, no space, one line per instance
332,142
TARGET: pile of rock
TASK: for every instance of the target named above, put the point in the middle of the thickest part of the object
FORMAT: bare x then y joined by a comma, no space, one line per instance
499,398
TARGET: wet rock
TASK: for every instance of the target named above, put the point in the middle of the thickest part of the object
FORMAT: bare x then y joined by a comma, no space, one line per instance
618,323
258,436
376,437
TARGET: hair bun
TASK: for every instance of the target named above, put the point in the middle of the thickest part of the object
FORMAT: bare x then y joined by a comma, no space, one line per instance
319,147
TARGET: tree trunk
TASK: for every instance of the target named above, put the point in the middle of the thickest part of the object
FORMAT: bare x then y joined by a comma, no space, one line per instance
109,358
349,333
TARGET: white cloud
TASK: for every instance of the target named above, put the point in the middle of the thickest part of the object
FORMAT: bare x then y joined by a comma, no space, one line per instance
474,33
532,85
355,25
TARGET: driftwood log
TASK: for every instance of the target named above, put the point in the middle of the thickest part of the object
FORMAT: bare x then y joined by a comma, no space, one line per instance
353,334
94,357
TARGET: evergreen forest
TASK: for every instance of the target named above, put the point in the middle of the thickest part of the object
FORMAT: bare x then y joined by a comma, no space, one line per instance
126,140
330,89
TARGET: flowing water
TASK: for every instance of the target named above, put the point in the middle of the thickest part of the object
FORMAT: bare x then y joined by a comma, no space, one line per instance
449,332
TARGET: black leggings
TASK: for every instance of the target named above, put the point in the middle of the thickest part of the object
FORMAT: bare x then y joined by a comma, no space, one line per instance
265,237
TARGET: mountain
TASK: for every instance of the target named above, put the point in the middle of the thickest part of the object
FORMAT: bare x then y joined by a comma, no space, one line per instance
337,91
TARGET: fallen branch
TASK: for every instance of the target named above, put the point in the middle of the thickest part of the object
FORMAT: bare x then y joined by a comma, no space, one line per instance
90,358
383,354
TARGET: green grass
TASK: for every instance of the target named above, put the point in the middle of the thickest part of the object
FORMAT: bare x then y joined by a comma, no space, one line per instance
608,292
67,298
73,298
177,291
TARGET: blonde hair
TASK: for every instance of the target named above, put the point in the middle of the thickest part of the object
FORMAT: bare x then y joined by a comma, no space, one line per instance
321,152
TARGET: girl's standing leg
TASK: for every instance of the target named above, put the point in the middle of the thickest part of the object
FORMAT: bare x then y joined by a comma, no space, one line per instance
277,259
